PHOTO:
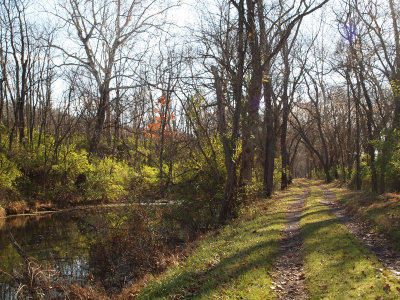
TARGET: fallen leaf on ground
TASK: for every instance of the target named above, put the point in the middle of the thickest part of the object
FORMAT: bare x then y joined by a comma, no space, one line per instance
386,288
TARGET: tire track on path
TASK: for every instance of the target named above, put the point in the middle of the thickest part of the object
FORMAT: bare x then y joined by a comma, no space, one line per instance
378,244
289,273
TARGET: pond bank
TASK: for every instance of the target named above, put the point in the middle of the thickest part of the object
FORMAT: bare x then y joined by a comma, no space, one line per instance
84,243
52,210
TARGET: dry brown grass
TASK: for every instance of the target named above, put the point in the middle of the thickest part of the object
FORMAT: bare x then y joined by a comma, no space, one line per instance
77,292
173,258
390,197
34,281
7,195
41,206
2,222
2,212
17,207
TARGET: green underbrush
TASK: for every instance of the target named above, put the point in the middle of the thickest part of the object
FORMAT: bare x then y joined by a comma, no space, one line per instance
45,173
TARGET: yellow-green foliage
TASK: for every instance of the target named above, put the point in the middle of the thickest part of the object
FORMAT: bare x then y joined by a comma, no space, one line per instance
71,163
278,171
395,163
8,171
209,163
395,85
150,175
34,157
109,178
106,178
2,214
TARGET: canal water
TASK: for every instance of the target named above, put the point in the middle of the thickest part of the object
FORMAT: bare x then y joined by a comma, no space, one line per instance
59,240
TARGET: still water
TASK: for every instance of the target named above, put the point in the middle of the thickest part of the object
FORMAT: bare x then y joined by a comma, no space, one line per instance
61,239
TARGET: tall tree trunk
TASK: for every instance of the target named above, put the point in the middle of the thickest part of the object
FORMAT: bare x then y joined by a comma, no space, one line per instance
250,116
100,118
356,97
108,123
396,66
229,144
268,183
284,154
117,120
285,116
2,84
358,150
370,119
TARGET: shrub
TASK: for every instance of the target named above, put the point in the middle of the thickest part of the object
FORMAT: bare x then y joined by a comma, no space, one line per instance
109,179
70,164
17,207
150,176
8,195
393,171
9,171
124,250
95,178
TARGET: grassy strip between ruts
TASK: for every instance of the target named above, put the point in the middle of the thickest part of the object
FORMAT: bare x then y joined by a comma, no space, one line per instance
337,265
380,211
234,263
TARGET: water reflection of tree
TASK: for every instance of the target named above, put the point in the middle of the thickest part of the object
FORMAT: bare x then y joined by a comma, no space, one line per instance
52,238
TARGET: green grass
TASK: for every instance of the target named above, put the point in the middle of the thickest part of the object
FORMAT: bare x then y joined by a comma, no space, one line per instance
382,212
338,266
236,263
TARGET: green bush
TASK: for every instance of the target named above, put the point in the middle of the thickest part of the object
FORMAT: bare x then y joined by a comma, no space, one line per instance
9,171
150,175
124,248
108,178
71,163
95,178
9,177
393,171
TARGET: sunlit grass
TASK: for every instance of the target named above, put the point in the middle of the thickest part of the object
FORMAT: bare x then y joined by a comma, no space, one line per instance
234,263
337,265
382,212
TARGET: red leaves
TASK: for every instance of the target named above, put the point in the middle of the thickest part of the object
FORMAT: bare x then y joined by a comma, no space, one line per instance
162,100
161,117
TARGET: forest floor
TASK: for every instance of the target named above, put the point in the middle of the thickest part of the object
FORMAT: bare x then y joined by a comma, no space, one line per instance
304,243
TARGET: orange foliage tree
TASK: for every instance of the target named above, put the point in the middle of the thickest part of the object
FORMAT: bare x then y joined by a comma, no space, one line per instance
161,118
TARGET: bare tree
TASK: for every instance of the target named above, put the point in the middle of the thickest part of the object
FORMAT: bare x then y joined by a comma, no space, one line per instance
104,32
19,46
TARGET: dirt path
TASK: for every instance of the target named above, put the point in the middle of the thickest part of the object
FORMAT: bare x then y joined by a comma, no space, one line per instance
380,246
289,274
